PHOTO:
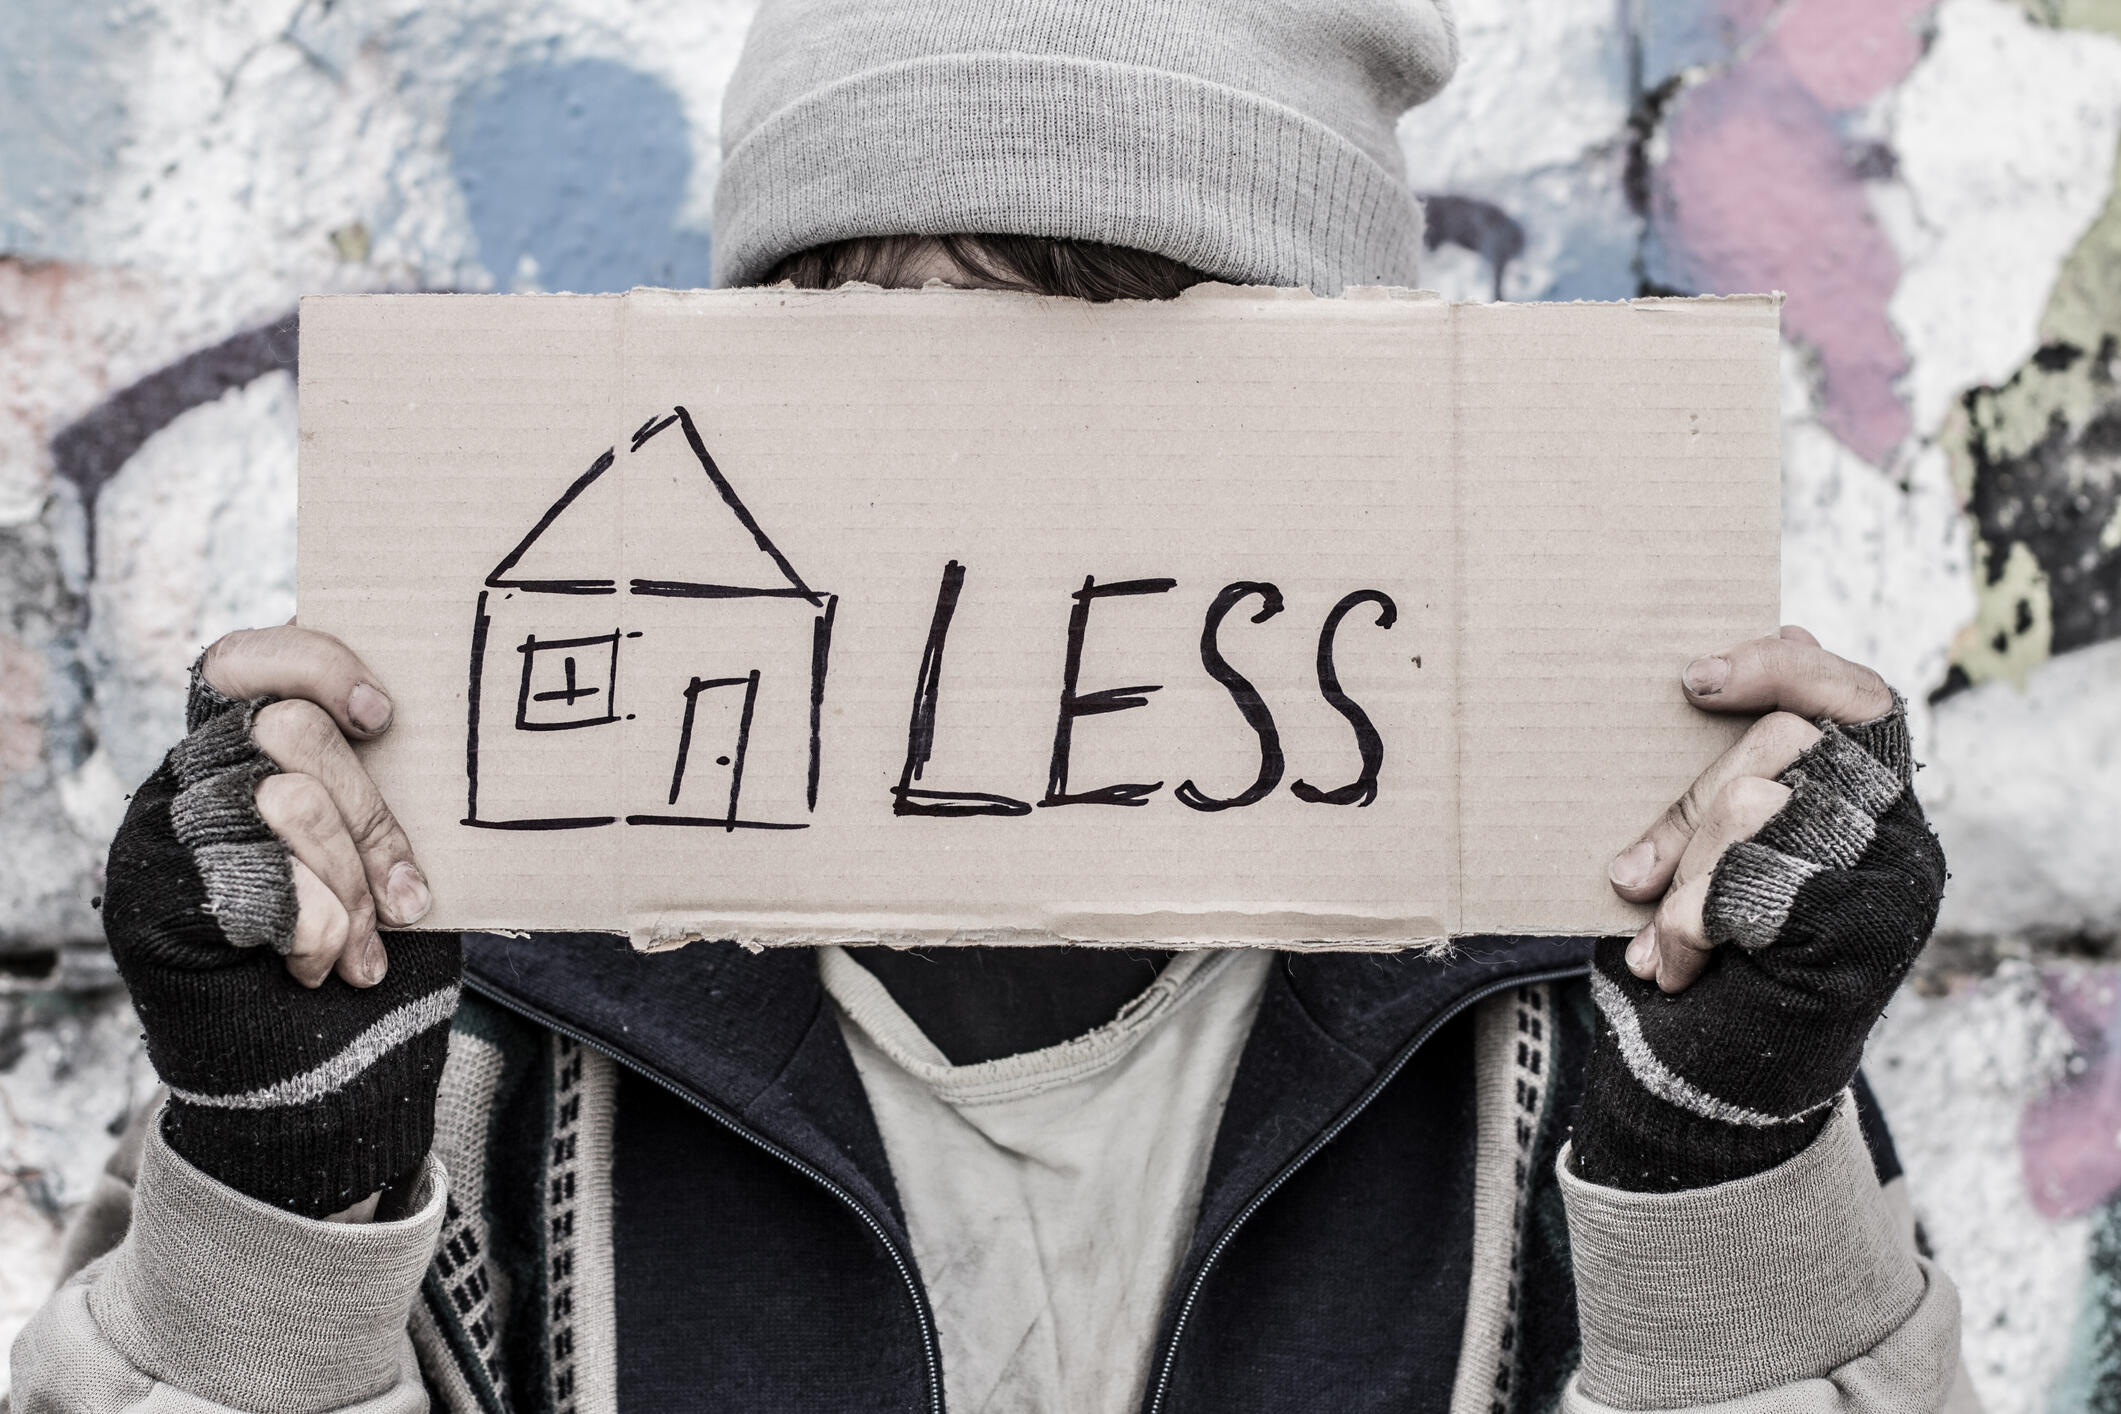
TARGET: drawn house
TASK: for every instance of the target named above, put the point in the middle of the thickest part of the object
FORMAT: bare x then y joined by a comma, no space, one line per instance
646,655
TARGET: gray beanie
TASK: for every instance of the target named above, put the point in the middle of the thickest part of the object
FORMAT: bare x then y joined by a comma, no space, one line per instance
1250,139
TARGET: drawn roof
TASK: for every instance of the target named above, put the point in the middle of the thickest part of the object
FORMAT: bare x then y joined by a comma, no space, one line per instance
688,534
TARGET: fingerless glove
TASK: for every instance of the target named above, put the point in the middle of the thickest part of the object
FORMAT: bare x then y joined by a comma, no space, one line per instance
1823,911
307,1099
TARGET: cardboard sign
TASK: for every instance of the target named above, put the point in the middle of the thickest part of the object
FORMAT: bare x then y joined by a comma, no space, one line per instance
963,616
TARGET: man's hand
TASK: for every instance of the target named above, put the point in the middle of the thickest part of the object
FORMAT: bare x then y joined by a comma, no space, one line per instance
242,902
352,865
1796,683
1798,881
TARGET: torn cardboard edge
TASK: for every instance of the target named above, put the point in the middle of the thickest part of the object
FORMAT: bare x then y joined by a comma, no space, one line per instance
1604,492
1169,928
1207,290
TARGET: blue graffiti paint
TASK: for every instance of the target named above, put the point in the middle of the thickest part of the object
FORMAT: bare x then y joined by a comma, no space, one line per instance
1674,35
62,118
1596,262
1475,225
582,167
2090,1382
1665,267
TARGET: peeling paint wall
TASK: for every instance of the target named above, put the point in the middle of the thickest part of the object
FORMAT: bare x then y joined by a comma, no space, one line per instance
1933,182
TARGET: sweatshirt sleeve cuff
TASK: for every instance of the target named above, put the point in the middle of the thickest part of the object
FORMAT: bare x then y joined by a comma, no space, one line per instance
253,1307
1711,1293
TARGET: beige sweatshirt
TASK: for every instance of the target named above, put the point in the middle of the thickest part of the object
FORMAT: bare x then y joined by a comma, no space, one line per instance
1795,1291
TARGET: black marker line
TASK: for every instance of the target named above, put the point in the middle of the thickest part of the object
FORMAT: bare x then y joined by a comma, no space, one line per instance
920,728
679,589
479,622
1114,699
530,647
591,641
928,684
1241,690
1099,702
743,744
558,586
581,483
711,822
579,822
604,721
820,649
677,773
1093,704
910,800
1363,789
569,693
736,506
692,701
649,429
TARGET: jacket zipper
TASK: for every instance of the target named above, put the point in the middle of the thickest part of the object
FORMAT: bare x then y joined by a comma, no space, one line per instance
923,1318
1362,1102
914,1293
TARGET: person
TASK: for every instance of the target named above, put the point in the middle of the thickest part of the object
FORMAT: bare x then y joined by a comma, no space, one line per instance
398,1169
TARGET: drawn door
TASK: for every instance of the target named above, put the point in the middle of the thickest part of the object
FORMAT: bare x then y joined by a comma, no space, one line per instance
709,774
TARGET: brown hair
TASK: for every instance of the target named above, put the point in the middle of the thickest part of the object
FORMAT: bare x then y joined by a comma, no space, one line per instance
1089,270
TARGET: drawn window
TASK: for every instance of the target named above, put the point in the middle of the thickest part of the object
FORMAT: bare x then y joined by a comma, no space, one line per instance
568,683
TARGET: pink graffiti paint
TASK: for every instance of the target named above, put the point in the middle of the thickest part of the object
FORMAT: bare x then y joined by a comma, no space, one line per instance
1760,192
2069,1139
1845,54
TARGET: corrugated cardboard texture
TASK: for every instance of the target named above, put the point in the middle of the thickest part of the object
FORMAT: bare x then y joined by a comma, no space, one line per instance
714,614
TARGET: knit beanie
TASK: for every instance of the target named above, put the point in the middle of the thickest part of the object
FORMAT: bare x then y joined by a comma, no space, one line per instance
1251,139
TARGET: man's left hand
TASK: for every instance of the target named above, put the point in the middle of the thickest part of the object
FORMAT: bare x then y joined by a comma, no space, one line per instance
1795,882
1796,683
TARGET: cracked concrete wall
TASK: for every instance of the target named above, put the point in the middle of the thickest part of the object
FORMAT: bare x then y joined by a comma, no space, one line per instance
1933,182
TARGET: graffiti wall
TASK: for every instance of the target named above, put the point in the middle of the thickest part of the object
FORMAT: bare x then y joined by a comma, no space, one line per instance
1933,182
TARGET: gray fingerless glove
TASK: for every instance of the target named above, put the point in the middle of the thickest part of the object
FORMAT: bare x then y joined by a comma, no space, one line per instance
250,888
1824,911
308,1100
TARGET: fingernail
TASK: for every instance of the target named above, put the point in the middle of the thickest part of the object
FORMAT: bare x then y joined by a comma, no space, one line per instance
378,961
369,708
1632,865
407,891
1705,677
1642,953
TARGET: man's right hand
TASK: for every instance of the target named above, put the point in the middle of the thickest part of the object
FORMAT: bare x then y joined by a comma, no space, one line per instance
352,865
243,900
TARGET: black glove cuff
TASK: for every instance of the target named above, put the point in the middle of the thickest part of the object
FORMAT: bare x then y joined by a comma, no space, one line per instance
316,1099
1648,1127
